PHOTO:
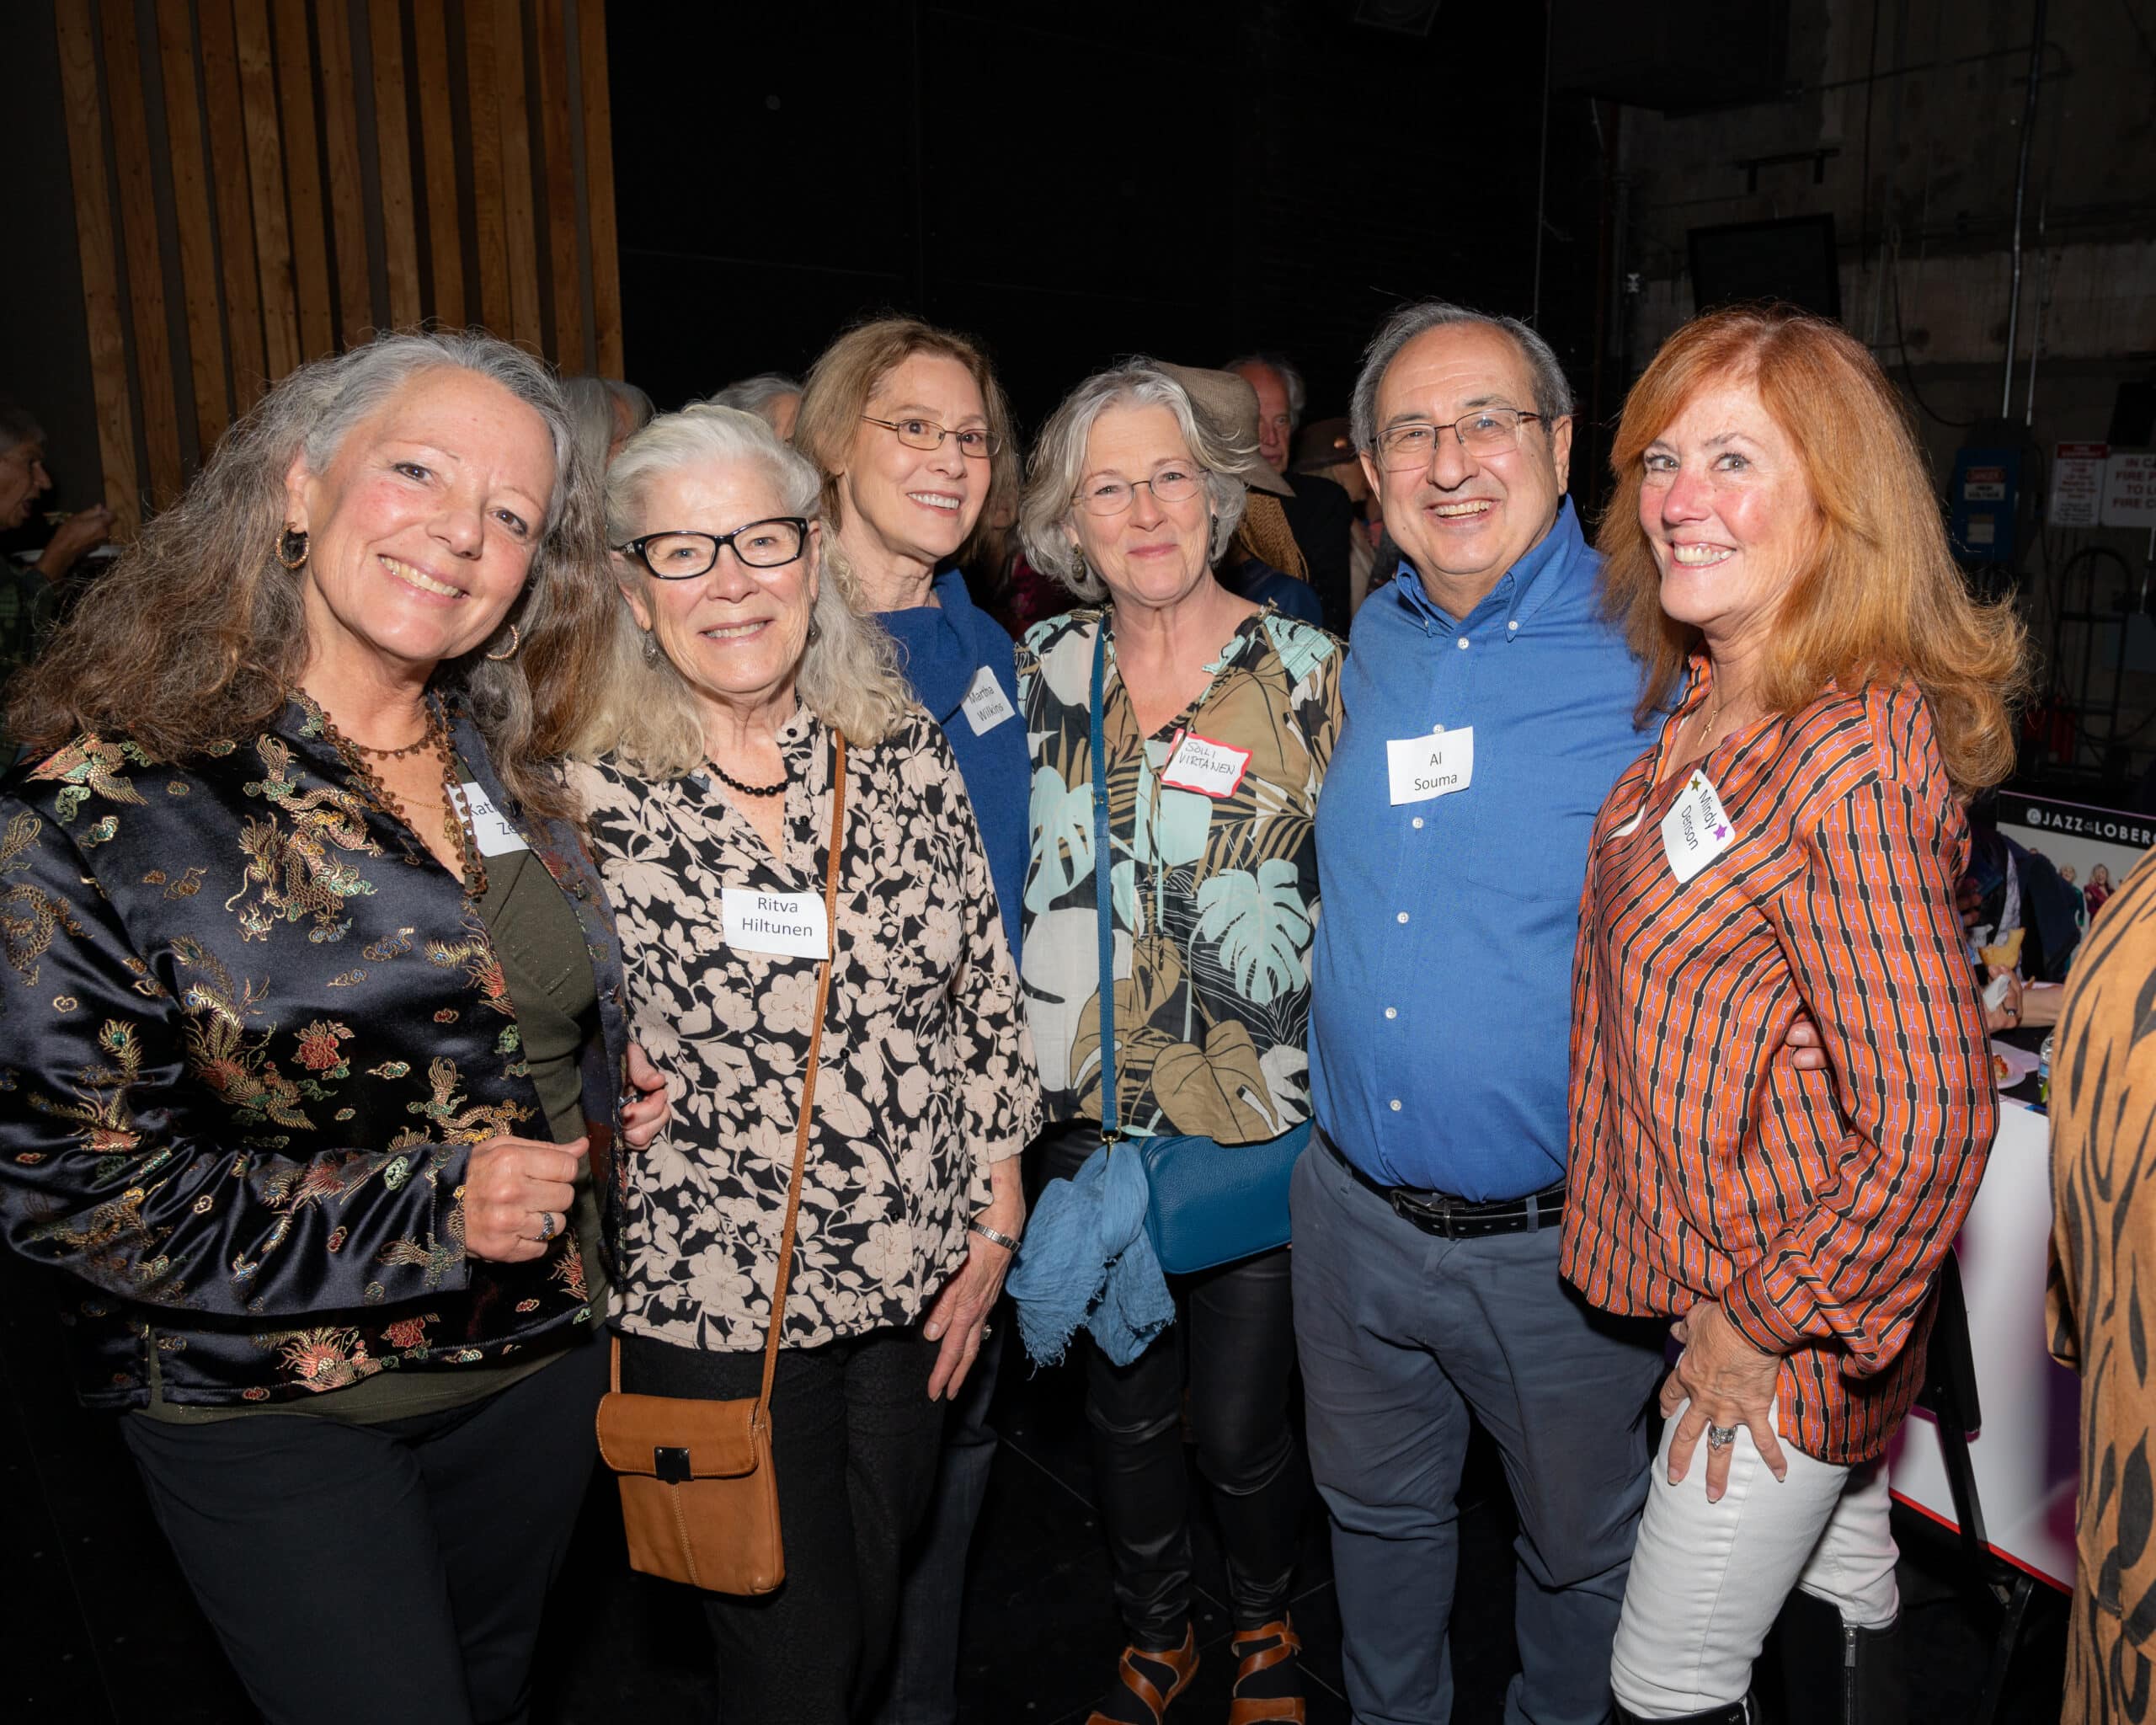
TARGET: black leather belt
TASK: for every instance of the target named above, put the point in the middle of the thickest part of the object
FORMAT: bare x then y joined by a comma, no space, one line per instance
1451,1218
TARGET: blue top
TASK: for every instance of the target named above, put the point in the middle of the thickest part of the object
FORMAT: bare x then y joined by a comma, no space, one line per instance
941,648
1442,974
1261,583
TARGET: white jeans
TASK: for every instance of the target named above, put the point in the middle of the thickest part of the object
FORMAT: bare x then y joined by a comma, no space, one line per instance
1708,1579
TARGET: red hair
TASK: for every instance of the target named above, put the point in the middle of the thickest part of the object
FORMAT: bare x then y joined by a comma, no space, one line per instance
1880,597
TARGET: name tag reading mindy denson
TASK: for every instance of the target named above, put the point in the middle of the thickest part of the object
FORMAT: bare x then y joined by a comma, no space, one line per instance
790,924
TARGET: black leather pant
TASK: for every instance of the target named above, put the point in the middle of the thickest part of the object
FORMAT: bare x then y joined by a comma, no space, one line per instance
1233,1345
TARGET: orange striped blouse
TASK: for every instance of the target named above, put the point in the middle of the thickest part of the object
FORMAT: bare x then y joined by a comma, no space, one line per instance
1815,1206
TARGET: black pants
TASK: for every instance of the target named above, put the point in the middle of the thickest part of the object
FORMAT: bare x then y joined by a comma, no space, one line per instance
854,1441
365,1573
1233,1345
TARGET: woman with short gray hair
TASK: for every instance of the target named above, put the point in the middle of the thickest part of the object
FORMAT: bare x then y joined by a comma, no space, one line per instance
313,1022
1217,718
749,725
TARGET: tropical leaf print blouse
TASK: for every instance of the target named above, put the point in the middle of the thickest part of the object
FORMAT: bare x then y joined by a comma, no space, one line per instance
1215,896
925,1076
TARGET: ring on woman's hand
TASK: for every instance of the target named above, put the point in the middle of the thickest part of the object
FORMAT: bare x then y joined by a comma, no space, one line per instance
546,1226
986,1331
1720,1436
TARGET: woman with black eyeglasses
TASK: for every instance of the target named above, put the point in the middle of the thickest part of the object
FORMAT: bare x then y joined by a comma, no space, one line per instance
910,430
750,725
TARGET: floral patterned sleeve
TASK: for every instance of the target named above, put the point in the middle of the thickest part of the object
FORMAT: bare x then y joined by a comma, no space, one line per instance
113,1167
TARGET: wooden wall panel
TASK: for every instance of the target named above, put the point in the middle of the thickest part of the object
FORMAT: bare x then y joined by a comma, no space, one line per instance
303,257
86,160
228,179
265,105
438,142
266,178
599,184
392,138
198,239
340,126
124,77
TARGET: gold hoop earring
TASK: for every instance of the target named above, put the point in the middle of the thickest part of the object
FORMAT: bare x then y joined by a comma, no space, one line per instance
515,641
292,549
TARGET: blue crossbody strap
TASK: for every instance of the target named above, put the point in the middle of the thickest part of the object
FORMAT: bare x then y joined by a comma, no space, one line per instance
1103,882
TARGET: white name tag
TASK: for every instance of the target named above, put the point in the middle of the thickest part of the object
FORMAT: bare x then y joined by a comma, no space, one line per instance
1435,765
1197,763
789,923
1695,830
490,829
987,704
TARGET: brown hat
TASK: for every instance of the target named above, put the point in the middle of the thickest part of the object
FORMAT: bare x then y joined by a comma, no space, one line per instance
1228,404
1326,443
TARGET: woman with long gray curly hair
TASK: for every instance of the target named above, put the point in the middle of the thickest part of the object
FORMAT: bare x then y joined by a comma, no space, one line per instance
314,1011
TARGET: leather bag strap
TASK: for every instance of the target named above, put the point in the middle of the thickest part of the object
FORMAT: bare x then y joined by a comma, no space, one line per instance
784,1273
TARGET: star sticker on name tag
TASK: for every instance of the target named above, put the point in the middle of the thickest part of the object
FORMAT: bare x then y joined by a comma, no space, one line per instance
1696,830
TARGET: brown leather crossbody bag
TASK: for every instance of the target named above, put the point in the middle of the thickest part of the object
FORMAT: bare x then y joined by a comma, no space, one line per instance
699,1497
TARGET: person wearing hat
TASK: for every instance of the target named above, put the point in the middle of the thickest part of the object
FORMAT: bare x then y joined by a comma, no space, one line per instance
1216,718
1262,563
1319,512
1326,450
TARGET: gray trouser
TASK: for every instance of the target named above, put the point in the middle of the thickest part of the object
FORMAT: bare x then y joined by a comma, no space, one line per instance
1403,1336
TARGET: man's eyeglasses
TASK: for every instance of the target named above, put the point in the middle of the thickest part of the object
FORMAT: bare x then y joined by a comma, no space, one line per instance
1486,431
926,434
680,555
1111,497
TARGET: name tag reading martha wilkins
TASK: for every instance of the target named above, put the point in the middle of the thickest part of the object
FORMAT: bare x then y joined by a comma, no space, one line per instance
987,704
790,924
1435,765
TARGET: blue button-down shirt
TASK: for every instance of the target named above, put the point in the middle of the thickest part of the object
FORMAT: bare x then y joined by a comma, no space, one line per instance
1441,1015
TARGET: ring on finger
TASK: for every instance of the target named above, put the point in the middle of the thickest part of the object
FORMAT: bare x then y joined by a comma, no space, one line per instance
1720,1436
546,1226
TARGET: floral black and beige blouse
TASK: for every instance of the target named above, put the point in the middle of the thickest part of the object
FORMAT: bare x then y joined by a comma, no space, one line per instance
1213,874
249,1033
925,1076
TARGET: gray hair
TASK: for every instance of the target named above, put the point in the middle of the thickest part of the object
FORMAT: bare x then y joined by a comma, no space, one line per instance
1291,380
1553,395
1060,459
18,425
591,403
643,709
755,395
199,633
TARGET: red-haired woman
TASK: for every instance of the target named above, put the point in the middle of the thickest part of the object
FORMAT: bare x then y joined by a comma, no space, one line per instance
1789,846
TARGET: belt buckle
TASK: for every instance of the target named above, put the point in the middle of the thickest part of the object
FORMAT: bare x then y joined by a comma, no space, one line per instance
1434,1216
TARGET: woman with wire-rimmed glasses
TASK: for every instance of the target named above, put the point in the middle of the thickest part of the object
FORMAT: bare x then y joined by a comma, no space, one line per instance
911,431
743,692
1214,719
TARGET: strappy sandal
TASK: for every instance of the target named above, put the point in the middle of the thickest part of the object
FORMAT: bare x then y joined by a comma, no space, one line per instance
1182,1665
1260,1650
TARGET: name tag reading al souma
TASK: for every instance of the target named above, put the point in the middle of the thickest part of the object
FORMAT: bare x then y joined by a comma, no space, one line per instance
987,704
490,829
1197,763
1435,765
1696,830
790,924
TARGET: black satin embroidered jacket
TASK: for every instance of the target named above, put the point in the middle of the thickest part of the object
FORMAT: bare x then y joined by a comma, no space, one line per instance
249,1033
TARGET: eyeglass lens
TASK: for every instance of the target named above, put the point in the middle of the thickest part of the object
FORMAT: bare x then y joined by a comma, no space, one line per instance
1111,497
761,545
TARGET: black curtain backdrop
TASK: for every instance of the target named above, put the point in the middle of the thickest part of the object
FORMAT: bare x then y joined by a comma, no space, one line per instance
1074,181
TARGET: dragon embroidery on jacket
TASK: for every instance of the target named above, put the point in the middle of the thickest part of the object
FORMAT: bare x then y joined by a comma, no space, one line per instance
30,916
291,872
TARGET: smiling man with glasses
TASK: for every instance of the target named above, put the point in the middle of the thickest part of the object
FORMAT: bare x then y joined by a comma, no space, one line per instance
1489,710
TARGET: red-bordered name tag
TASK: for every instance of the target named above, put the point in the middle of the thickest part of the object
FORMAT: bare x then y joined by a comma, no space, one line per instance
1197,763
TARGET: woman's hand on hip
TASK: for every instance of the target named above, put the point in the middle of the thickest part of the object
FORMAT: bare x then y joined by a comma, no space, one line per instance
1728,1383
517,1194
644,1115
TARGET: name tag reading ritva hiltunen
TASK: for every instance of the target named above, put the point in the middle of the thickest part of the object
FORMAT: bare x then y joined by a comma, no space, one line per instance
792,924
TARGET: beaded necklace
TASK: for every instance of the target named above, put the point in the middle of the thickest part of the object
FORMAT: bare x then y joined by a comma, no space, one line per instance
456,817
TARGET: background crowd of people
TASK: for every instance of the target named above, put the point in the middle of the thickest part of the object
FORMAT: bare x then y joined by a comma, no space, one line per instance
1533,954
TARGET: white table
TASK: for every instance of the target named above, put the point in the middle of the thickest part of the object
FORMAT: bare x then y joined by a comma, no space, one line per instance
2026,1458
